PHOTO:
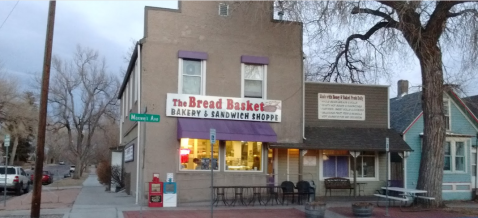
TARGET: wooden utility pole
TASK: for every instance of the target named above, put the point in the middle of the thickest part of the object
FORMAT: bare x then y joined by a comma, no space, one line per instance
36,197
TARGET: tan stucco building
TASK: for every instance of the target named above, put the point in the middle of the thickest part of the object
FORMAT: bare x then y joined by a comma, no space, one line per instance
244,71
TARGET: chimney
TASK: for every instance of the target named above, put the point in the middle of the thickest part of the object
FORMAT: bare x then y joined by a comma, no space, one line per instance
402,88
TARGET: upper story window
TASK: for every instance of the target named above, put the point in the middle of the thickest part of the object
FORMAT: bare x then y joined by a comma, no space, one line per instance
446,111
254,77
192,72
253,81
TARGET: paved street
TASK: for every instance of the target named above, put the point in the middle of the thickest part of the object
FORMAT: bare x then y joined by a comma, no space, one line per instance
93,201
58,171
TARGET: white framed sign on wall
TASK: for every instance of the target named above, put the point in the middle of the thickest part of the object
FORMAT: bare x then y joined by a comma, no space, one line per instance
333,106
129,153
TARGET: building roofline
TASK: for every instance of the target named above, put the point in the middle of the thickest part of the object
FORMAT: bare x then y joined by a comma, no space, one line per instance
348,84
453,95
132,61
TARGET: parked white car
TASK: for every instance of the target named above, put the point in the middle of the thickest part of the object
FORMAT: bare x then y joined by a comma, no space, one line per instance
72,168
17,179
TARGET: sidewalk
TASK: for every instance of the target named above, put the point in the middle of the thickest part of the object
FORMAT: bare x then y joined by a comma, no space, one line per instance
92,201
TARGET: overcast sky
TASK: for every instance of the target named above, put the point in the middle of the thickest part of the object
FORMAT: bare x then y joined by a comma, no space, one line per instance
107,26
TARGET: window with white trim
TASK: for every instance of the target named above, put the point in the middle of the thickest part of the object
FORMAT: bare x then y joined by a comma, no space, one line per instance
339,163
455,156
446,112
195,154
365,165
243,156
473,164
192,76
447,166
254,80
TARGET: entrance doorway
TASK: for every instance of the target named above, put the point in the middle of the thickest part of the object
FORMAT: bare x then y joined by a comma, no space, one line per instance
396,168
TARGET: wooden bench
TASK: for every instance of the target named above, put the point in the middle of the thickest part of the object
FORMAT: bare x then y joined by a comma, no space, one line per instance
337,183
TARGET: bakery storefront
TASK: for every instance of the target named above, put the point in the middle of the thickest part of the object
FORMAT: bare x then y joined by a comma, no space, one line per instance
241,153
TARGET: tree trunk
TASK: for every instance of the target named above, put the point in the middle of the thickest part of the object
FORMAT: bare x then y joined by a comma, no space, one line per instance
432,158
77,174
14,151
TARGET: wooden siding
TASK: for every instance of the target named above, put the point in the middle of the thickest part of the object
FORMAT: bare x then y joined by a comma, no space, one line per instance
376,105
459,125
282,164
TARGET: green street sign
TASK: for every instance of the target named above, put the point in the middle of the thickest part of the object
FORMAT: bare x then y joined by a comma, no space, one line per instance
144,117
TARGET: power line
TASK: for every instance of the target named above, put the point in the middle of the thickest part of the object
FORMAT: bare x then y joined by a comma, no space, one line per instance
9,14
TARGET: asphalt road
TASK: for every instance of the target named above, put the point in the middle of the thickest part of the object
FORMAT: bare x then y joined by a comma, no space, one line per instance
58,171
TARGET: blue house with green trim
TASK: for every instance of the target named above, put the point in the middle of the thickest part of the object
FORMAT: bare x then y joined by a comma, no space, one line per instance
459,177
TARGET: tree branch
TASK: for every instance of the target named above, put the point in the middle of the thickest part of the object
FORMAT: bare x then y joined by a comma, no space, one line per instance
348,62
473,11
437,21
357,10
396,5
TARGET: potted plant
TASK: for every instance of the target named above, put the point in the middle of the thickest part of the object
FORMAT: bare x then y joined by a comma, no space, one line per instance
315,209
362,209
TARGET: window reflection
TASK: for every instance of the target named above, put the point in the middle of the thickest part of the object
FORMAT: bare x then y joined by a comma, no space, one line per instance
243,156
195,154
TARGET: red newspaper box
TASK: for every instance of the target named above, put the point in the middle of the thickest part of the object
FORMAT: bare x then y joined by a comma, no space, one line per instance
155,193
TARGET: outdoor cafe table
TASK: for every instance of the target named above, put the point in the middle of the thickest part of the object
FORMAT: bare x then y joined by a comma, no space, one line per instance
240,193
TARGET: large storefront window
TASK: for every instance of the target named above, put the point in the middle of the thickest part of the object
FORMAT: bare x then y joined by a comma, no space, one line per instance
243,156
195,154
339,163
365,164
336,163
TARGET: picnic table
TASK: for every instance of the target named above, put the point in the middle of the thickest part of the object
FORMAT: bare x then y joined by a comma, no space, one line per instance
407,193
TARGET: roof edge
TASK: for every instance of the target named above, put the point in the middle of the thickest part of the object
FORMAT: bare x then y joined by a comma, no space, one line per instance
348,84
132,60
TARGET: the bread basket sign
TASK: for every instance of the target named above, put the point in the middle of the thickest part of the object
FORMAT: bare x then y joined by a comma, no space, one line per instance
213,107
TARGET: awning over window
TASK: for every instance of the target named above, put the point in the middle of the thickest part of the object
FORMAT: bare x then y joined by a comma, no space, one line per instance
352,139
230,130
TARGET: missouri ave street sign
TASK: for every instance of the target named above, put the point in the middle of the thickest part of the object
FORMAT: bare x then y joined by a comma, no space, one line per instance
144,117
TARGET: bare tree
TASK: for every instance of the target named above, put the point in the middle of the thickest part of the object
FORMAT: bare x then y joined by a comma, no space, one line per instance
56,142
18,114
81,94
20,120
127,56
375,30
